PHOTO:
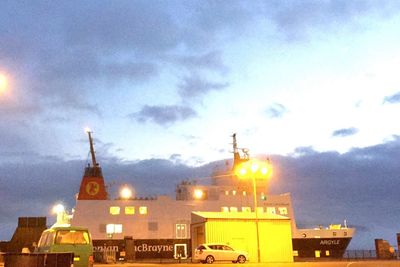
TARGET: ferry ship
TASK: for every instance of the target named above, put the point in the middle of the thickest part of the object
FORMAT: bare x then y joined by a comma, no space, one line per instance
159,227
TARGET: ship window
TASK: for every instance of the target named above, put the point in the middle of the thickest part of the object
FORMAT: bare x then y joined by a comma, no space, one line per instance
345,233
50,238
317,253
244,193
226,193
327,253
283,211
129,210
246,209
225,209
181,230
153,226
143,210
304,235
334,233
114,228
114,210
234,192
233,209
118,228
46,239
271,210
295,253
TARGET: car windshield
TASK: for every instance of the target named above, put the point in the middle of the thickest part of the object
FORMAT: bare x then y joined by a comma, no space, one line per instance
72,237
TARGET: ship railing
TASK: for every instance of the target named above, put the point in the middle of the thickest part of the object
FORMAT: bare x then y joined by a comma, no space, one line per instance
367,254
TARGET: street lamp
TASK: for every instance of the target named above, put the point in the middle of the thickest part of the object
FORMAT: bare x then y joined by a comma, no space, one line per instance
255,169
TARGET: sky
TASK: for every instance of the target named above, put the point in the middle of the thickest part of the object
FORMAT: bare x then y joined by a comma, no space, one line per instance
313,85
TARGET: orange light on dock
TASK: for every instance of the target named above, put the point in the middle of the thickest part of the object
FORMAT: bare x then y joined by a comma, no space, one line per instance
3,83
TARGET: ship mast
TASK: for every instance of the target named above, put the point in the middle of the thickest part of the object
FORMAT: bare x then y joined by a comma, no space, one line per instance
237,158
92,149
236,155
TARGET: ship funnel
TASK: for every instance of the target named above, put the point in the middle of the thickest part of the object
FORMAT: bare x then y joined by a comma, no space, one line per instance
92,184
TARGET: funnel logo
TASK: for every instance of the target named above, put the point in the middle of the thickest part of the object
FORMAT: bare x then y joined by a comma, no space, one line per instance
92,188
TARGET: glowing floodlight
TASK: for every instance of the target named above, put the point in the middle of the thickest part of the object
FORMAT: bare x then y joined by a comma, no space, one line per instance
3,82
254,169
198,194
125,192
59,208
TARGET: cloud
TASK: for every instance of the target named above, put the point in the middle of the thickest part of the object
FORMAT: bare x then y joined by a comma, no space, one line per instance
296,21
326,187
276,110
194,87
301,151
393,99
209,61
365,177
74,51
102,44
345,132
163,115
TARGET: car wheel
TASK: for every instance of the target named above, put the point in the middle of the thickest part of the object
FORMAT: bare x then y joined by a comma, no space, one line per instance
241,259
210,259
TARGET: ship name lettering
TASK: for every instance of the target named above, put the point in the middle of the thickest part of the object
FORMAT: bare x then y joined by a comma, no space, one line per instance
153,248
330,242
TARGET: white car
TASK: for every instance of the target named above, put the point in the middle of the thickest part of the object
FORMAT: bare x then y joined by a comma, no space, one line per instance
208,253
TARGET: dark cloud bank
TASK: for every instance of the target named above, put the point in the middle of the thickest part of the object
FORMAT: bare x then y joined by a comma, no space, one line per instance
360,186
61,50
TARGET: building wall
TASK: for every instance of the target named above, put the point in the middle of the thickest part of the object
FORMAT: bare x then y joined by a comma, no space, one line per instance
163,214
240,234
276,241
274,235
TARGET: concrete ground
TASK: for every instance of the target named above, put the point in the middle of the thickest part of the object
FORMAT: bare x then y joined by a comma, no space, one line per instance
393,263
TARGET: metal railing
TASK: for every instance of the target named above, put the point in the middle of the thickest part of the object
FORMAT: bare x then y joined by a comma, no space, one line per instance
366,254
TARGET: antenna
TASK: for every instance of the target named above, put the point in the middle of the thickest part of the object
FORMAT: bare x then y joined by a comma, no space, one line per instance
237,158
235,149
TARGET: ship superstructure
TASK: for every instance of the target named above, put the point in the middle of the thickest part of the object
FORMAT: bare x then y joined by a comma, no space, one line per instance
165,220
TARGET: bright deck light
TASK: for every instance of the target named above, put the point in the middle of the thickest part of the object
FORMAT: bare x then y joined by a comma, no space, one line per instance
198,193
125,193
59,208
